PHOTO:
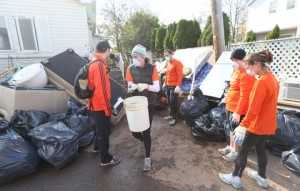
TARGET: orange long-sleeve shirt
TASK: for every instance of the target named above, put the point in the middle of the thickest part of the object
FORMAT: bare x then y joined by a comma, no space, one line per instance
173,73
237,98
99,82
261,115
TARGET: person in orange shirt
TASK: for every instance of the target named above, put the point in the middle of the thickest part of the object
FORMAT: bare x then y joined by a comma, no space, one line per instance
236,100
172,84
99,103
143,80
259,122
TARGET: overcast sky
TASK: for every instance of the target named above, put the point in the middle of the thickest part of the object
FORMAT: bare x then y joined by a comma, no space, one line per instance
171,10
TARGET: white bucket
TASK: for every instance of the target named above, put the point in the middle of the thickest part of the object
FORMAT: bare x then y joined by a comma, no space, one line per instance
136,108
32,76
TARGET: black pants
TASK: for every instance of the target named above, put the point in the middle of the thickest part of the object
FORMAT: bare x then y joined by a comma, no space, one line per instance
252,140
145,135
103,127
172,100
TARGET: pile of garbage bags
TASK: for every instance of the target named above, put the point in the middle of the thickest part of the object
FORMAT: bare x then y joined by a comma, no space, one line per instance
32,134
291,159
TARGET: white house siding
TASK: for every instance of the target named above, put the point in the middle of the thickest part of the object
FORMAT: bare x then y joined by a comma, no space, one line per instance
67,22
261,21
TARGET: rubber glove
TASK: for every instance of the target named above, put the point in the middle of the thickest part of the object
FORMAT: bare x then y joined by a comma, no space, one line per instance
132,87
141,87
239,134
177,90
235,118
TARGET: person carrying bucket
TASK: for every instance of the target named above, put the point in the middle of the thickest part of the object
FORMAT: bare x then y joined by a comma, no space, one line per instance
143,80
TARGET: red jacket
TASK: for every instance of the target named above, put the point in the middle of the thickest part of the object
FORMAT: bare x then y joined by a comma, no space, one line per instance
99,82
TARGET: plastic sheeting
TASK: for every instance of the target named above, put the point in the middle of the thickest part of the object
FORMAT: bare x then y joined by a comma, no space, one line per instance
57,143
17,156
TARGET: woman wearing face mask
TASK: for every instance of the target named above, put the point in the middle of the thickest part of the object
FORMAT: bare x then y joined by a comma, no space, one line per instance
259,122
143,80
236,100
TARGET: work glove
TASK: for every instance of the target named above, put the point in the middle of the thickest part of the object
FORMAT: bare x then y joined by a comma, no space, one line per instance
235,118
177,90
141,87
239,134
132,88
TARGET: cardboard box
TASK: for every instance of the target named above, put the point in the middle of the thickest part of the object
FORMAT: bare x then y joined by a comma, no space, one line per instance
47,99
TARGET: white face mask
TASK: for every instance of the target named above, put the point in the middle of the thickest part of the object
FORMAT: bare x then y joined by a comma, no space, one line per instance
251,72
167,58
136,63
235,65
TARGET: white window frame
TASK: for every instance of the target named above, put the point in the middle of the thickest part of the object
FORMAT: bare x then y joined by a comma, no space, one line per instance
289,3
9,35
273,3
20,36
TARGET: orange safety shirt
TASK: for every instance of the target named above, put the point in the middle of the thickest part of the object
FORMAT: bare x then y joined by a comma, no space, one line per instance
261,115
129,77
237,98
99,82
173,73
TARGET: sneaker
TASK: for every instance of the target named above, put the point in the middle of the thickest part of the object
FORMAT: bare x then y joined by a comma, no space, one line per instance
262,182
168,118
225,150
96,149
112,162
147,164
235,181
230,156
172,122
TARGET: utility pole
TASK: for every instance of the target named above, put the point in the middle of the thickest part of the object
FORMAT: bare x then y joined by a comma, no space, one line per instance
217,28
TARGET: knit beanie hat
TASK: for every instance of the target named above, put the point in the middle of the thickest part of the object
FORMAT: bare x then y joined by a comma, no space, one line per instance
139,50
238,54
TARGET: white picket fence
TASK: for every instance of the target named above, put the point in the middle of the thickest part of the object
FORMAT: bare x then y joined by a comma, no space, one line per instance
286,52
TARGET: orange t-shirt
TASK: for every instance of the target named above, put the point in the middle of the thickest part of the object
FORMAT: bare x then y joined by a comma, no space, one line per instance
237,98
129,77
99,82
173,73
261,115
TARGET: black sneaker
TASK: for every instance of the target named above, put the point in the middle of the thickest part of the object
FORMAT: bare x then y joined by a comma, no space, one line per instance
113,161
96,149
168,118
172,122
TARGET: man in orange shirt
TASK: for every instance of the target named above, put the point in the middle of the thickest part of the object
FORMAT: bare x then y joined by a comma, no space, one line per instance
259,122
172,84
143,80
237,100
99,103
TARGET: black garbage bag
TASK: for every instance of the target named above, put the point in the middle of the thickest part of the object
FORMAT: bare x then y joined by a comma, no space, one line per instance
291,159
192,108
211,127
56,117
57,143
75,107
22,121
17,156
287,133
3,125
83,126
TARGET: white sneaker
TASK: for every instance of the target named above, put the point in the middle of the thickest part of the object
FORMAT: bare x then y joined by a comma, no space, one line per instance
147,164
230,156
225,150
262,182
235,181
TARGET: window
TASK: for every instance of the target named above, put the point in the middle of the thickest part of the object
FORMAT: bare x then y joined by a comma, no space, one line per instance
286,35
290,4
272,8
4,37
27,34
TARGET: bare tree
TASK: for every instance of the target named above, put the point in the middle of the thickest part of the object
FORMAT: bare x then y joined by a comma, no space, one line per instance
237,12
115,14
